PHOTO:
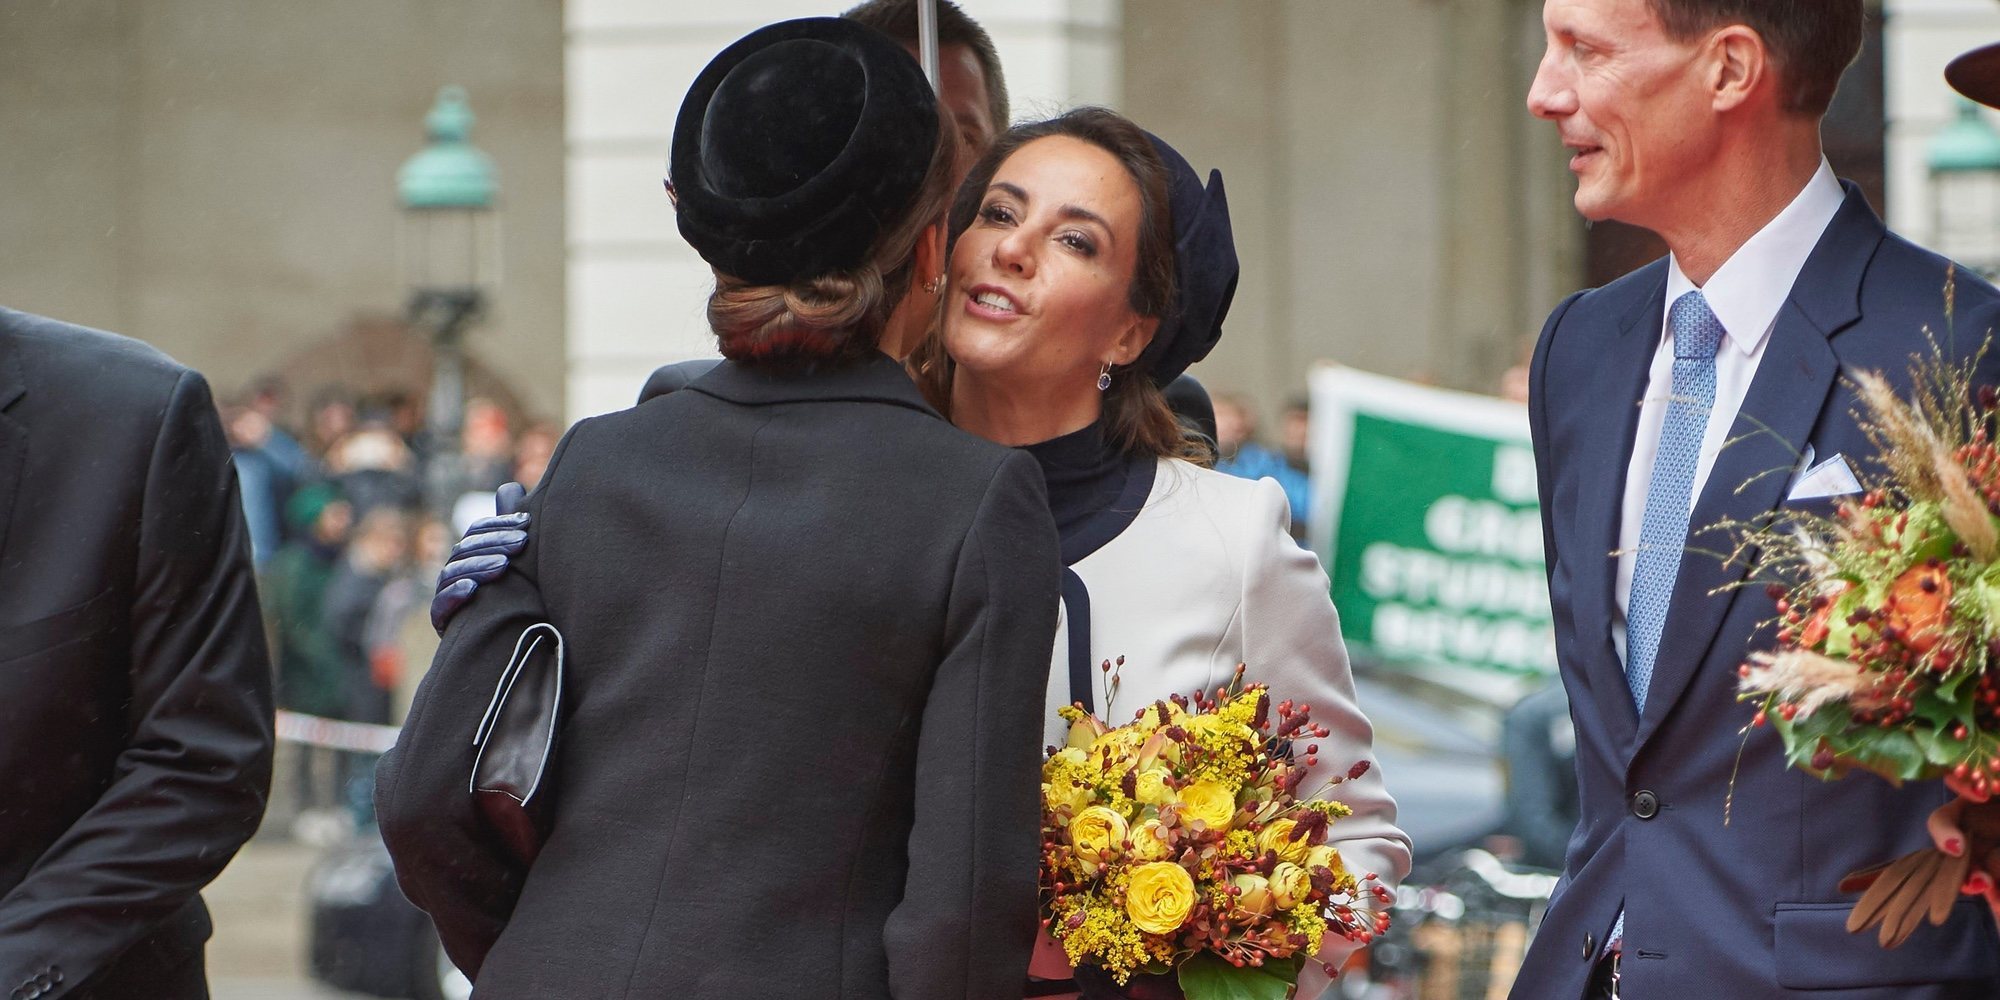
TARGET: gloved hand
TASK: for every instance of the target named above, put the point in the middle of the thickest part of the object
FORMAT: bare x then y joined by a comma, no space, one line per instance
490,543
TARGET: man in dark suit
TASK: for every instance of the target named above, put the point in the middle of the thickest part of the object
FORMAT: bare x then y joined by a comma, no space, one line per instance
135,689
1680,395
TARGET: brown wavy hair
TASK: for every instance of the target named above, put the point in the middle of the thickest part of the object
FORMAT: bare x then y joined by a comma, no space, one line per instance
838,316
1136,415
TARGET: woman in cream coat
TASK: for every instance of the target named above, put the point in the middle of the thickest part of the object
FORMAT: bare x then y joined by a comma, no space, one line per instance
1090,267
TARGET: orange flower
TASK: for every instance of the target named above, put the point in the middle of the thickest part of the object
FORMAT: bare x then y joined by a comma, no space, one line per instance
1918,603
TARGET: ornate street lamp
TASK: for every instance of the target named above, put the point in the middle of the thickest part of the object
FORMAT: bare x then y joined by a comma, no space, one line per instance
1965,190
449,250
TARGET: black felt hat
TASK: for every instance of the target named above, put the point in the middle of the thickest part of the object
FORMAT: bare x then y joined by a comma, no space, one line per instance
796,147
1205,269
1976,74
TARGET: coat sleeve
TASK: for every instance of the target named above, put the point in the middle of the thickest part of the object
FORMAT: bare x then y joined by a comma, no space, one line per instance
967,918
1291,642
447,860
190,785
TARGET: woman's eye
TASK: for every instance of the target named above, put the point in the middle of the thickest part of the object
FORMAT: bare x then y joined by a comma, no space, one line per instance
996,213
1080,243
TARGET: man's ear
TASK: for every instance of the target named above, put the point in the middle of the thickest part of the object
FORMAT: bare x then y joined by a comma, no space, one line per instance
1739,66
930,255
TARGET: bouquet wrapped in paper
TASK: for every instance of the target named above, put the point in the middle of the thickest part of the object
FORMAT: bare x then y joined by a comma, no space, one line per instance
1179,846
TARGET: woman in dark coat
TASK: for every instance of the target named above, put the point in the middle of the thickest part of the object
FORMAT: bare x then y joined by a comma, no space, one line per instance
799,752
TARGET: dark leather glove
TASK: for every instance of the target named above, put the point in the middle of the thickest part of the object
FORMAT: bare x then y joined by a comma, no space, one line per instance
482,555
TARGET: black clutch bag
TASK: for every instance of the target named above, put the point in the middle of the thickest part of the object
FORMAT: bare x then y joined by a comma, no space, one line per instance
516,741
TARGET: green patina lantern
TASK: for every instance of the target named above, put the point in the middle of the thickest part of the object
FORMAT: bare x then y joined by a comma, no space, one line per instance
450,230
450,256
1964,160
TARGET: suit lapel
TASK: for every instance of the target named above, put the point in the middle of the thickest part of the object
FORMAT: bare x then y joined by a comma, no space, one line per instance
1778,415
1611,420
13,435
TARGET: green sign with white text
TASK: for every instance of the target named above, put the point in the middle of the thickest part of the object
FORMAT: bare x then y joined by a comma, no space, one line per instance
1425,517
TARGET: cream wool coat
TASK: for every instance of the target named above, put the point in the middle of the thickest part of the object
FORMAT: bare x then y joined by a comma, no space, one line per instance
1206,577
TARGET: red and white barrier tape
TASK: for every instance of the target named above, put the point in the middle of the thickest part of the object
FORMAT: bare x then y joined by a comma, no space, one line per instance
311,730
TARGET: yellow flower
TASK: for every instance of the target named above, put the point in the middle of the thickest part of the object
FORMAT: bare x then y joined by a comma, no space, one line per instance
1159,897
1151,786
1114,750
1209,801
1098,834
1065,795
1255,895
1206,727
1149,842
1278,837
1290,885
1324,856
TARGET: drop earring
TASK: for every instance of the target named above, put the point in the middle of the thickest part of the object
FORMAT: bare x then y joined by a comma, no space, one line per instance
1104,378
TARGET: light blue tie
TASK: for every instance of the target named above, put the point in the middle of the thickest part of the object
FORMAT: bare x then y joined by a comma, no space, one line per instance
1663,532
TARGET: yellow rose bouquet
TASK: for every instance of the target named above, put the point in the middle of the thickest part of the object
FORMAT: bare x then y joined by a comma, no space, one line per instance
1179,847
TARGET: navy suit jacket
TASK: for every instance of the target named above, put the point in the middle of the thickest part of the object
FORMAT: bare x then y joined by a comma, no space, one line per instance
1739,903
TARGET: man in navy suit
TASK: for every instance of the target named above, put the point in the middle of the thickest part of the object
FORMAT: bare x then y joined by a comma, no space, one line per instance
1682,394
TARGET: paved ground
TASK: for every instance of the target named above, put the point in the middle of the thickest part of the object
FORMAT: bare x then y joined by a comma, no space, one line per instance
258,952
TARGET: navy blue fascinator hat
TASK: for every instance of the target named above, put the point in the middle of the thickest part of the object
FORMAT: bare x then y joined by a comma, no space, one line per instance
797,146
1205,269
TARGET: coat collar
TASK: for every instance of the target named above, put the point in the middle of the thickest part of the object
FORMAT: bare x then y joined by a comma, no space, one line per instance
1778,415
874,379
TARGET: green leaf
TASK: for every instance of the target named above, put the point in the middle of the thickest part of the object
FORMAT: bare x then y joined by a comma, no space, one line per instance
1207,977
1940,749
1898,750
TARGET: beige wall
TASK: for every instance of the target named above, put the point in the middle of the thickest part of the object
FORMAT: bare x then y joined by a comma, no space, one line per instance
1396,208
217,177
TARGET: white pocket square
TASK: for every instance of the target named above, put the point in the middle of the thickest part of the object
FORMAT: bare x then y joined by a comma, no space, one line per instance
1831,478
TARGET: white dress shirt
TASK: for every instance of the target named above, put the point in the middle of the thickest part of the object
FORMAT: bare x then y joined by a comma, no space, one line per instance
1745,293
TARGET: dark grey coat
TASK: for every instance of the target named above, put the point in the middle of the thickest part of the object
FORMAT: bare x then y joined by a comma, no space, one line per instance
808,627
135,687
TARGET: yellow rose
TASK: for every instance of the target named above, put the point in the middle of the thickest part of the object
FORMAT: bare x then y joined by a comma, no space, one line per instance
1097,834
1159,897
1290,885
1209,801
1324,856
1114,750
1065,795
1149,842
1278,837
1151,786
1253,894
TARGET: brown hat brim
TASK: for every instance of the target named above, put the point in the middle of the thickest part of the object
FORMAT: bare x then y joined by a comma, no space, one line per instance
1976,74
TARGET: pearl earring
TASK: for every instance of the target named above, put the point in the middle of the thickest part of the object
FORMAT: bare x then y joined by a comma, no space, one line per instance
1104,378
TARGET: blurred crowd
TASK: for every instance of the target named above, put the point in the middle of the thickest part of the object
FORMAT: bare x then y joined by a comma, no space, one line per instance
346,555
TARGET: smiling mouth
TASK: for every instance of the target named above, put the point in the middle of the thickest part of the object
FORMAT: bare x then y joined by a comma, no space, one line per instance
991,303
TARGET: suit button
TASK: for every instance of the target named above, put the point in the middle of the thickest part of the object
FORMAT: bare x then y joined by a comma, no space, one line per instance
1645,805
1589,947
